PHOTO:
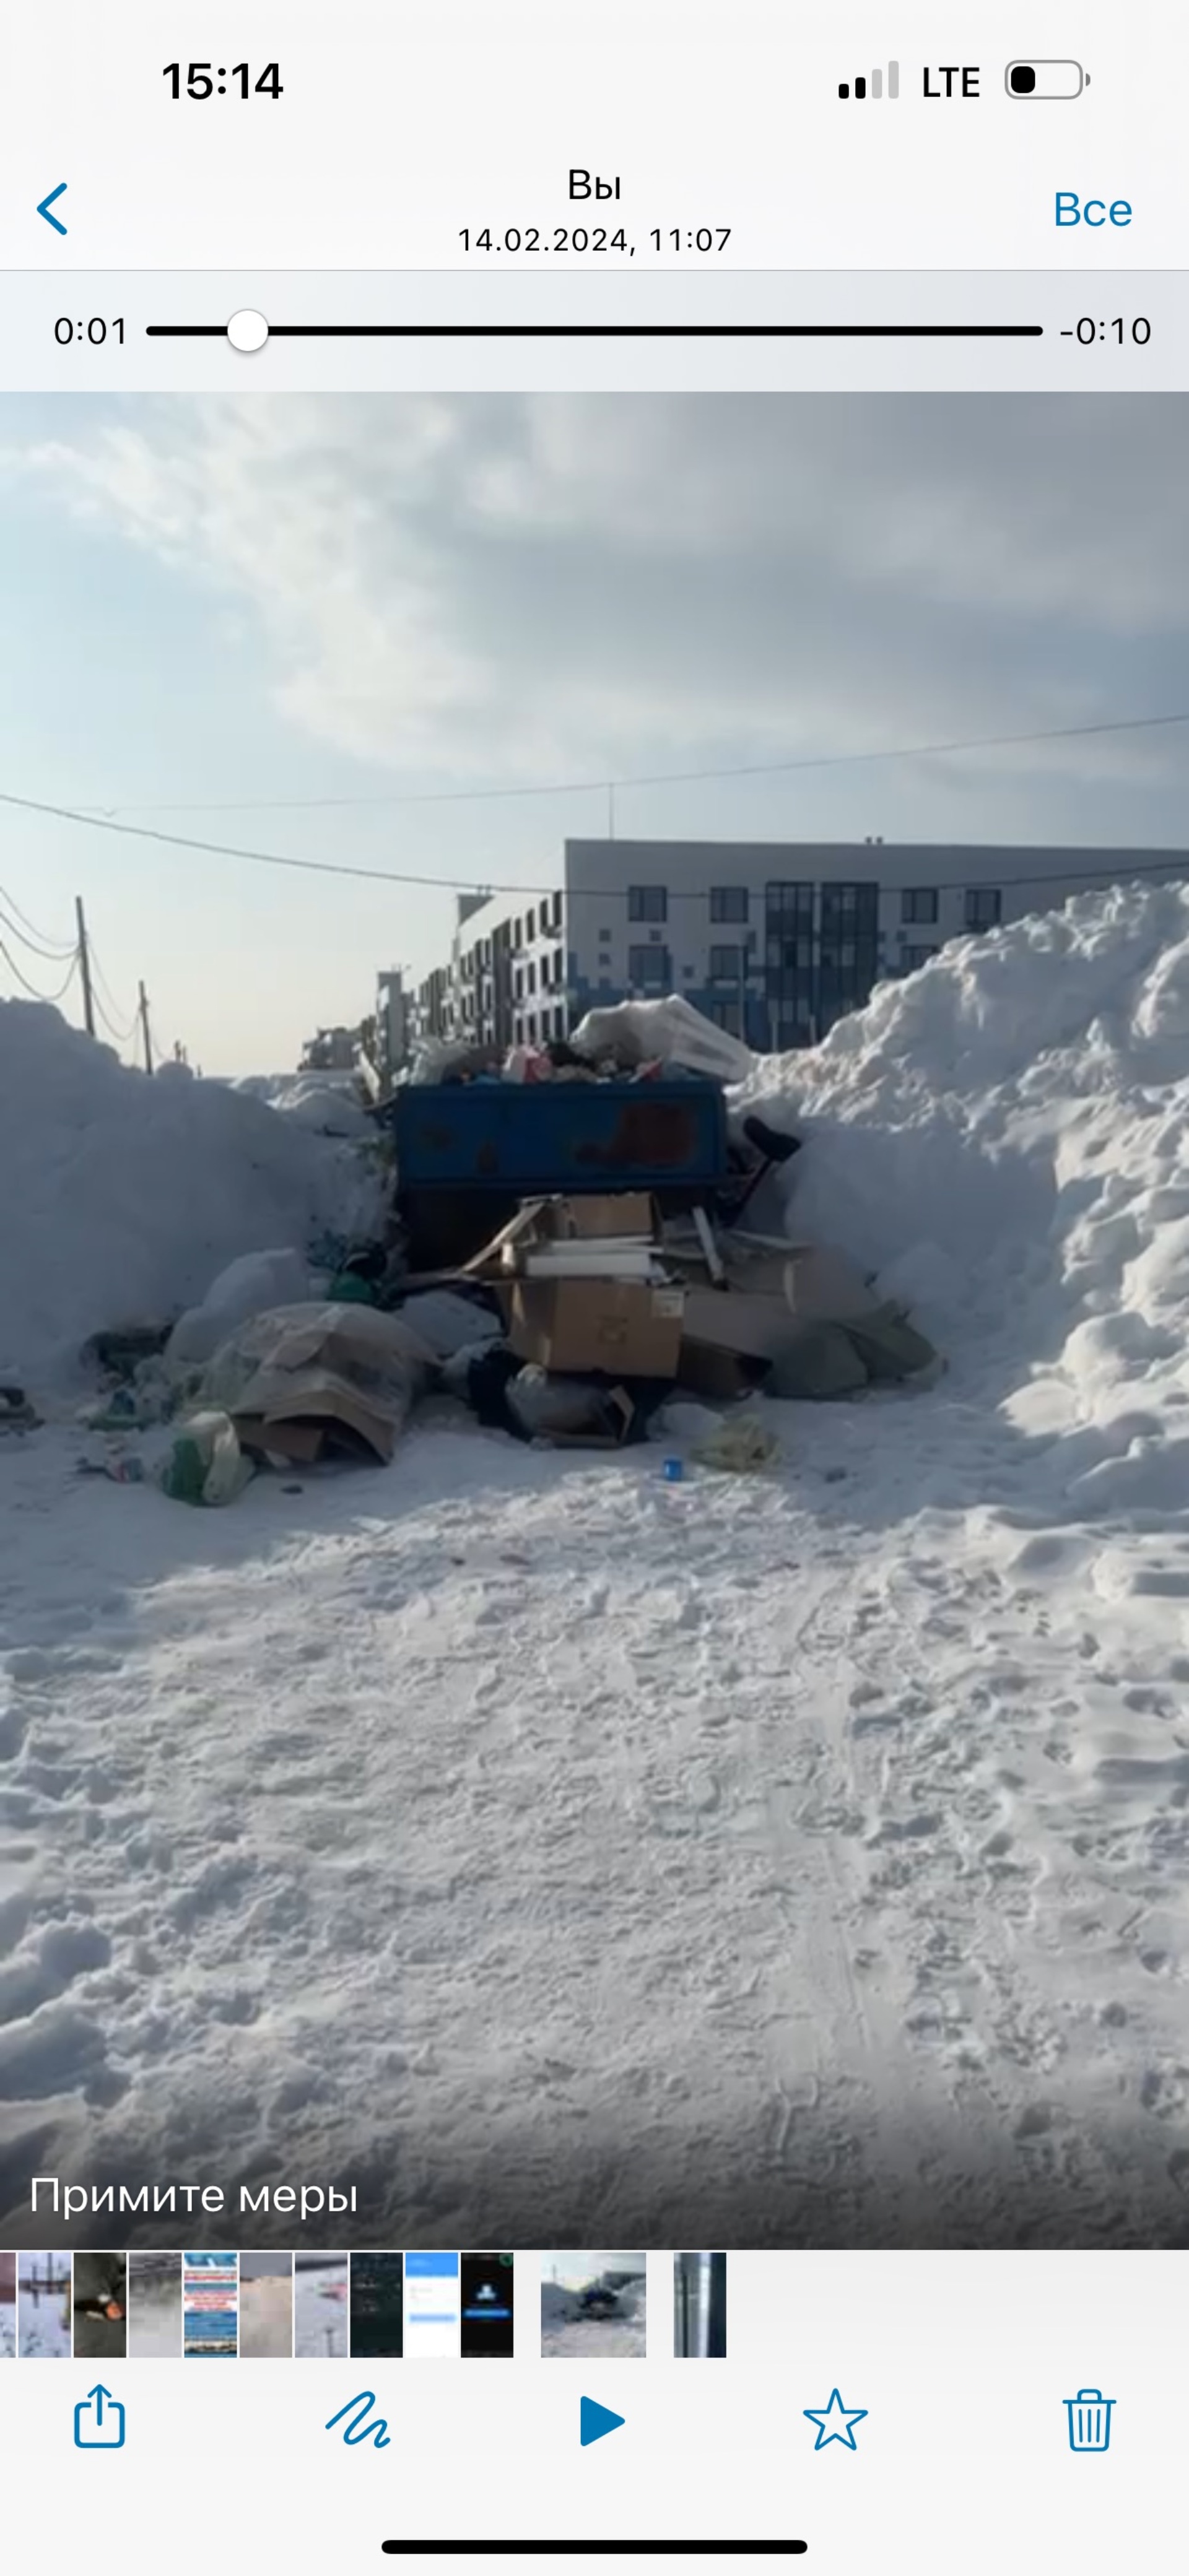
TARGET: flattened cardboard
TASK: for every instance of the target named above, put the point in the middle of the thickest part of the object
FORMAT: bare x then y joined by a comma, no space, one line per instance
302,1442
739,1320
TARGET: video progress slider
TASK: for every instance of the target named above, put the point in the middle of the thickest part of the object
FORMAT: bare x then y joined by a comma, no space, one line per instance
249,332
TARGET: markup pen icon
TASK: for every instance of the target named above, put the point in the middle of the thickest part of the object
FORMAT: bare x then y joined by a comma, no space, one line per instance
99,2421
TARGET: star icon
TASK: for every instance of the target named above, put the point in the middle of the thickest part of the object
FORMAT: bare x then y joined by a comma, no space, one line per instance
835,2422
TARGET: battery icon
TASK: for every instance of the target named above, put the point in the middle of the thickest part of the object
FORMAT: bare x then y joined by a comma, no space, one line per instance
1045,80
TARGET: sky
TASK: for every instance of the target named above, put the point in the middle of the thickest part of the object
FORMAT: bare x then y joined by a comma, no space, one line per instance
254,620
572,2271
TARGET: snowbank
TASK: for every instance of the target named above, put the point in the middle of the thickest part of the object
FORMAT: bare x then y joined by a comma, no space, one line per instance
1004,1138
124,1198
328,1103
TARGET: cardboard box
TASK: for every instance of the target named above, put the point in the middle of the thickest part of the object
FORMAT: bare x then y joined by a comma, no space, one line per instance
581,1220
706,1368
622,1328
631,1217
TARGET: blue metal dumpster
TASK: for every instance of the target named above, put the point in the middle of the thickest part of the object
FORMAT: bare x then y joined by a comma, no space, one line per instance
528,1139
466,1153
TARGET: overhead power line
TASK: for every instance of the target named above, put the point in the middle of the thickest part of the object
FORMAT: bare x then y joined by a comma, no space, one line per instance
52,956
652,778
60,947
104,993
31,989
92,819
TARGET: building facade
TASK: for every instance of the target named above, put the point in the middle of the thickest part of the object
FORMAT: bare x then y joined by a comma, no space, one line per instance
774,941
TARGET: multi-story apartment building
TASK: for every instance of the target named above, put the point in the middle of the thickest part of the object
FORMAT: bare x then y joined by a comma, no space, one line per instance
772,940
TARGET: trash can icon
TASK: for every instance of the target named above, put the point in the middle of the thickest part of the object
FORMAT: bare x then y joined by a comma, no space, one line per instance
1089,2420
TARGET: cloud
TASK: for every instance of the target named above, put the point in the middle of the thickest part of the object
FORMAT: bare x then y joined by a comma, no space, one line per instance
540,587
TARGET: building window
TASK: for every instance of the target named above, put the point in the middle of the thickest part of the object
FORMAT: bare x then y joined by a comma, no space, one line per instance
984,907
532,979
559,969
648,903
649,966
725,1015
518,935
728,903
915,958
530,928
724,965
604,938
918,903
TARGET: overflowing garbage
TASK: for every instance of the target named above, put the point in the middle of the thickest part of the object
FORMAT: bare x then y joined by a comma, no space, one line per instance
564,1248
629,1041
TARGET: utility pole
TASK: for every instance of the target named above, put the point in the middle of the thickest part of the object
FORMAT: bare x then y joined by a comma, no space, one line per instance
84,959
143,1015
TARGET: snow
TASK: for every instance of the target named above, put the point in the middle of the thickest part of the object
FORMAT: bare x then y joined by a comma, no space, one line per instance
328,1104
43,2293
543,1846
125,1197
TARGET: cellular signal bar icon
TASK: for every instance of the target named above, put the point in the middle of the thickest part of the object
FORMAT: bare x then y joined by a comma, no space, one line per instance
873,88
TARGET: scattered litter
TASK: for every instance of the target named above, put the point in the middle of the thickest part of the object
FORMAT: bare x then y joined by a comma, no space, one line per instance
741,1445
119,1471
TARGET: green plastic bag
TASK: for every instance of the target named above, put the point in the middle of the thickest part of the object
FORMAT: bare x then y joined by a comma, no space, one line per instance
206,1464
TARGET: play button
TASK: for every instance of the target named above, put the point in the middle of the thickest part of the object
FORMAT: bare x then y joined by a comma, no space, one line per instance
597,2420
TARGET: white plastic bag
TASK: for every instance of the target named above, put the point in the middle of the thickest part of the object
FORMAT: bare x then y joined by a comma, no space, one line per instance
669,1032
253,1285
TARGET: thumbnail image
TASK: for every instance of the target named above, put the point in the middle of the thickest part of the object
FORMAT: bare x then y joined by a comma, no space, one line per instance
321,2307
100,2307
210,2285
488,2306
265,2307
377,2307
593,2307
699,2307
154,2307
432,2310
595,984
8,2306
43,2306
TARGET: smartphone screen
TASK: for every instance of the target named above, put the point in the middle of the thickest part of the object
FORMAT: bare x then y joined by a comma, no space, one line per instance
594,1280
487,2310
